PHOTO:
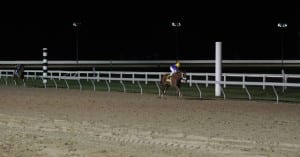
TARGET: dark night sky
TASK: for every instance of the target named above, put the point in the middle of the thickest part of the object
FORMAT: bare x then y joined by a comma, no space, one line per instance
145,33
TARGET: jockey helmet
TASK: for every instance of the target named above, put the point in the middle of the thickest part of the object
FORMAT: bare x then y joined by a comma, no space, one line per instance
177,64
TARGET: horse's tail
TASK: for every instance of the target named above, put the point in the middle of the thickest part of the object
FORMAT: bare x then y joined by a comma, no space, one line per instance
164,77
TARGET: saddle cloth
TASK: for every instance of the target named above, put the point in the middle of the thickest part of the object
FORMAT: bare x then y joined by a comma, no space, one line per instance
169,79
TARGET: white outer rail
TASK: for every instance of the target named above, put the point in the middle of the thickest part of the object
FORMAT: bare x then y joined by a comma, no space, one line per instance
279,80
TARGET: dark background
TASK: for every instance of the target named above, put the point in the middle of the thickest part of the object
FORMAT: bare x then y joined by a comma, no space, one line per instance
143,32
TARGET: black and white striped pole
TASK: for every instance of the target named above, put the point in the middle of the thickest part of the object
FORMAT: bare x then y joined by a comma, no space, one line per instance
45,66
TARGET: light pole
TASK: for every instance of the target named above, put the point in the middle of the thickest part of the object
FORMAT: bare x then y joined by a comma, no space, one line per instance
76,26
176,25
282,27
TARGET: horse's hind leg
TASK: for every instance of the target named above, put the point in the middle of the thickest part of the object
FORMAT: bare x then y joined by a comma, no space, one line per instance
24,84
15,82
164,90
178,92
161,94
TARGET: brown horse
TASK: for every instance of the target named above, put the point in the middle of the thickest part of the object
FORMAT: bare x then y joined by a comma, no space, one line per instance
174,81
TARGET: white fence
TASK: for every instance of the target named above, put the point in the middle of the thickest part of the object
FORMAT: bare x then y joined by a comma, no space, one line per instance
141,62
243,80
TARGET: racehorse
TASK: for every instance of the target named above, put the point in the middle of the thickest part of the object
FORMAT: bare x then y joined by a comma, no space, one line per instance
174,81
19,73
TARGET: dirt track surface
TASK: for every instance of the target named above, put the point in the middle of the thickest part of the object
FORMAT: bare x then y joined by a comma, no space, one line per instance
64,123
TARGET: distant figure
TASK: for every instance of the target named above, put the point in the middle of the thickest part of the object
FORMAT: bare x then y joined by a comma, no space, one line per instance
19,72
174,68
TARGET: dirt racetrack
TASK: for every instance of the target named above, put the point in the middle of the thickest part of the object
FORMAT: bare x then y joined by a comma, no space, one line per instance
65,123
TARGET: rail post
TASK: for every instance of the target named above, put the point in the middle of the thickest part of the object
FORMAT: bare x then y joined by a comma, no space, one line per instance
45,66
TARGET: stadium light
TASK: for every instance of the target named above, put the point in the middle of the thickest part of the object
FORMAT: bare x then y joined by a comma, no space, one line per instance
76,25
176,25
282,27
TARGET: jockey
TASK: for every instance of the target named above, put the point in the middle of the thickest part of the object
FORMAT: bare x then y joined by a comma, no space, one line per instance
174,68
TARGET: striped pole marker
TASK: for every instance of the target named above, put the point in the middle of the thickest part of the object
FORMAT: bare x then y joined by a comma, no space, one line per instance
45,66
